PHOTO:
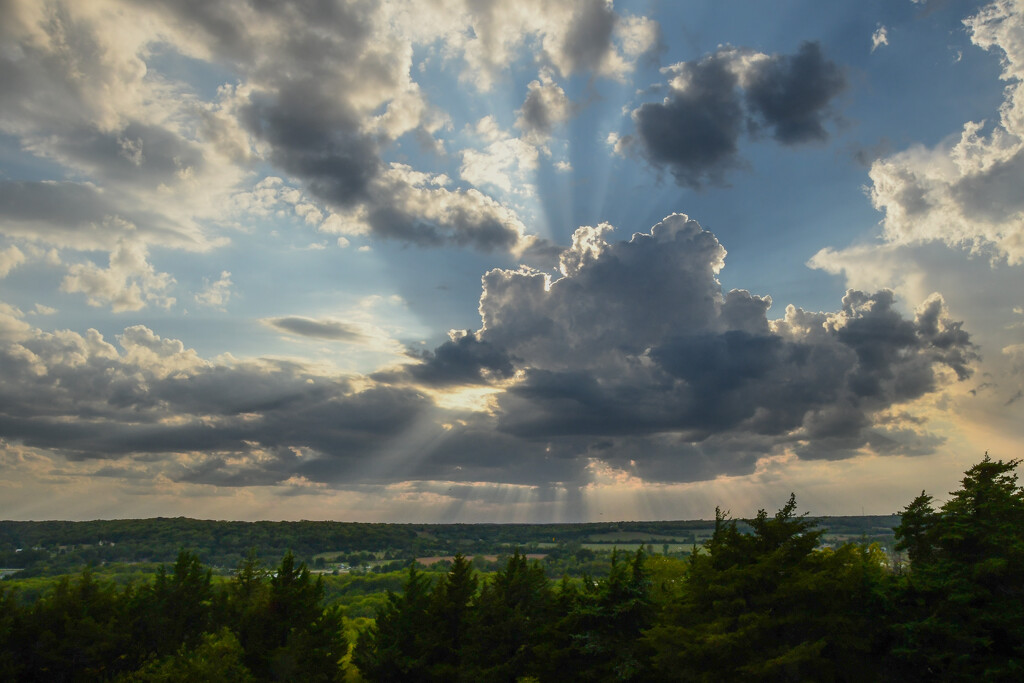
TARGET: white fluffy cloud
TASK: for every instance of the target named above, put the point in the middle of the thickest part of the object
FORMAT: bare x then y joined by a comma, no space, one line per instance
10,258
966,193
953,221
129,283
217,293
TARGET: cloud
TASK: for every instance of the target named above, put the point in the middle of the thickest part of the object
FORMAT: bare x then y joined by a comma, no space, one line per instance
333,330
129,283
879,38
587,44
463,360
695,130
215,294
633,354
573,37
504,158
693,361
197,420
545,107
636,350
415,207
80,215
791,94
965,193
319,92
10,258
952,220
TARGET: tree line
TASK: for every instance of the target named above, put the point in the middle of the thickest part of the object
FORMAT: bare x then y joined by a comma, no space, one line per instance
761,601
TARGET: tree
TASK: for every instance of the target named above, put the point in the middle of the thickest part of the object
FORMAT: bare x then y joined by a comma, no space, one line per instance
74,633
175,610
608,620
512,616
449,612
916,531
769,606
217,658
396,646
290,635
963,599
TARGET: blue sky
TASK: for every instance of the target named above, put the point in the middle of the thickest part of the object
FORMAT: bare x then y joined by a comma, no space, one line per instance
456,261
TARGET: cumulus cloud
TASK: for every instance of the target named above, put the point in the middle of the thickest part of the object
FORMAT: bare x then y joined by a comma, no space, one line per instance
695,131
504,163
129,283
215,294
319,92
545,107
415,207
10,258
636,350
573,37
463,360
239,423
966,193
633,357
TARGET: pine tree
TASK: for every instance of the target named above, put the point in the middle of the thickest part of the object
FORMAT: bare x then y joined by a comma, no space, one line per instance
963,601
396,647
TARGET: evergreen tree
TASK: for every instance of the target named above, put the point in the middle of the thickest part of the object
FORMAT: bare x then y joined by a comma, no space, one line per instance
449,612
963,600
512,617
607,623
298,639
768,606
175,610
397,646
217,658
76,633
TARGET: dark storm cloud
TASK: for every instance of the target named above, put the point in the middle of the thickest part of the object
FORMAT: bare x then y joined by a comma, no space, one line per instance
464,360
791,94
334,330
695,131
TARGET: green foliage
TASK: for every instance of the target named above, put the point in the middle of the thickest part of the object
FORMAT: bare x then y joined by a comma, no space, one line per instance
962,611
769,606
180,626
607,620
512,613
396,646
218,657
760,600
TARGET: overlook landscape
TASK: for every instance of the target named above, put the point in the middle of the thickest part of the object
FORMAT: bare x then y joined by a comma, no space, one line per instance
444,340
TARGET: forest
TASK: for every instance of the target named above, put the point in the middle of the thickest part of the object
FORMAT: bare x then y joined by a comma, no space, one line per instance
763,599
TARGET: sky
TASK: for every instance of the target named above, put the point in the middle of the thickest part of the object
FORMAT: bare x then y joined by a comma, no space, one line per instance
490,261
